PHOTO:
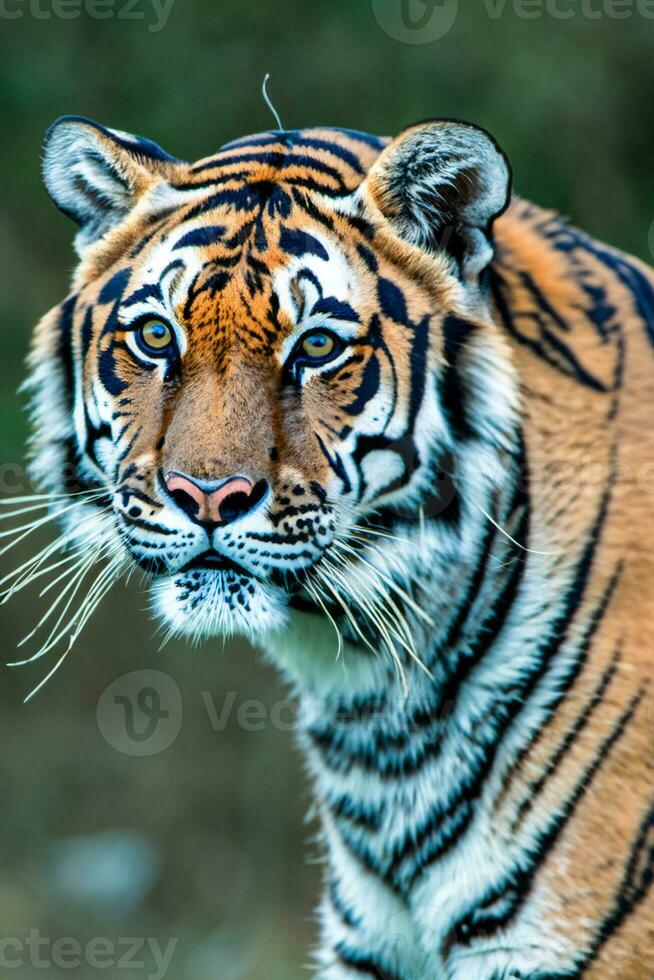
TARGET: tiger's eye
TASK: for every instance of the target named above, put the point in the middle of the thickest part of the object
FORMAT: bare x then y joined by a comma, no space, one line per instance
318,345
155,335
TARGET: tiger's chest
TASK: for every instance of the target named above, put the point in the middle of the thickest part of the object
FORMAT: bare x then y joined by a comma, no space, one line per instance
422,880
422,868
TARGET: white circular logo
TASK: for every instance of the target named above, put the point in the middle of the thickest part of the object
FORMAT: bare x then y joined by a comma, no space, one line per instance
141,712
416,21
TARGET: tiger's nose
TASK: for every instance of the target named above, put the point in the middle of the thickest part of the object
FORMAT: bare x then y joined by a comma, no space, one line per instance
215,502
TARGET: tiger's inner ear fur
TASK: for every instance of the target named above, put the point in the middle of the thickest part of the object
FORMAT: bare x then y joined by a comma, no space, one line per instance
440,185
95,175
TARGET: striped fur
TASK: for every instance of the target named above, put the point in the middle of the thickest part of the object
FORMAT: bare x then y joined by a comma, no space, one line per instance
463,494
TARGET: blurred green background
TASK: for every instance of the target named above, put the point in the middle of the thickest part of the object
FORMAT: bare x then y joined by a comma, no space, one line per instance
206,842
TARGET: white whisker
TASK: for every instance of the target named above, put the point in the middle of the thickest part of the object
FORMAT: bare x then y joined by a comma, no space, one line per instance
49,498
376,606
28,529
32,563
102,584
25,572
371,611
30,508
346,609
313,590
105,581
506,534
82,613
75,584
392,584
80,559
382,534
27,580
89,611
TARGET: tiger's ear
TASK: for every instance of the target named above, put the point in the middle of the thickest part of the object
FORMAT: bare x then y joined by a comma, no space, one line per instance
95,175
440,185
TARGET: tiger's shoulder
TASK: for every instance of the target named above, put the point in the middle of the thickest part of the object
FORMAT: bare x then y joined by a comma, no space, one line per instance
567,297
579,318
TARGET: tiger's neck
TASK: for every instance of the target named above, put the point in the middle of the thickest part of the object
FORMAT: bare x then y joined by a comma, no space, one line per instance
360,720
399,771
409,779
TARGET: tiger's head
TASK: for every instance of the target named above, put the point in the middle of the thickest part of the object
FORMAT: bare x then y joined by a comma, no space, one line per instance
271,360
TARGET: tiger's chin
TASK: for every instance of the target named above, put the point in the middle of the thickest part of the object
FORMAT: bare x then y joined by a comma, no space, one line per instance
201,603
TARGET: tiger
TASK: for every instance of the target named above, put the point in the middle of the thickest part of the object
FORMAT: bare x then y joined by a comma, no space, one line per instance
355,399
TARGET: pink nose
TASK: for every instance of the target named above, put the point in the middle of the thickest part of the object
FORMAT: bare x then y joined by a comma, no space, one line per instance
220,506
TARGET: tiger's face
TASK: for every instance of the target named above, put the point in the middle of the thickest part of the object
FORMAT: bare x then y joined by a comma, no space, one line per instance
268,353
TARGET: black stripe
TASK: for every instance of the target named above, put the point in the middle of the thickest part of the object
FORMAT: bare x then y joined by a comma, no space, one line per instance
521,879
513,701
363,963
113,289
345,808
341,907
303,201
456,625
363,854
536,786
157,226
549,345
428,843
150,290
280,161
199,237
571,240
368,388
336,464
332,741
376,142
291,138
455,334
636,883
298,243
71,481
154,528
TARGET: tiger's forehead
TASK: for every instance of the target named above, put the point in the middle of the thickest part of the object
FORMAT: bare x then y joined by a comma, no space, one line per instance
256,275
252,245
332,161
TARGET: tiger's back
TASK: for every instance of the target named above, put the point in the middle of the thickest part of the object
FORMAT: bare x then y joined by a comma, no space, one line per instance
580,319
